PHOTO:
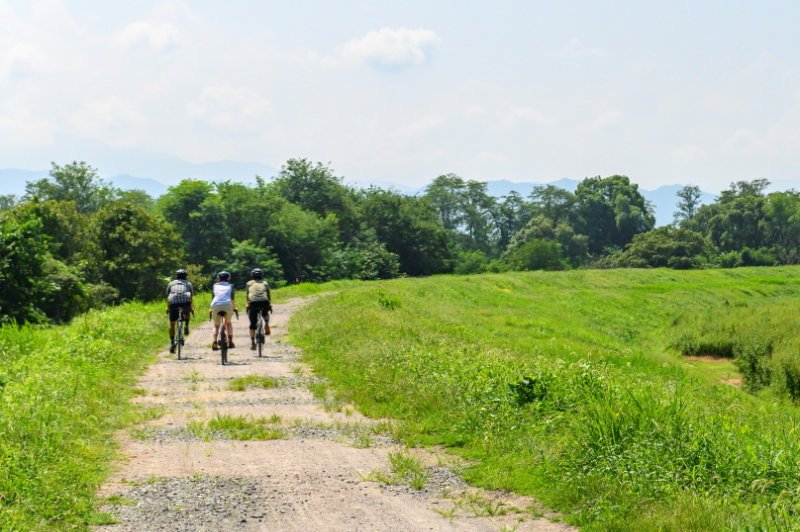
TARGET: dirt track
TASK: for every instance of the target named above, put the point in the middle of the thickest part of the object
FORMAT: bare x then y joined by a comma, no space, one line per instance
312,478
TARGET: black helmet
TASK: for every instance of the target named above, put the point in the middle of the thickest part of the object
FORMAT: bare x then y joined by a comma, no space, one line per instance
223,276
181,274
257,273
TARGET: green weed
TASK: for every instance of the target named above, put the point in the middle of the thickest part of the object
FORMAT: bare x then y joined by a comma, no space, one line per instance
566,385
241,384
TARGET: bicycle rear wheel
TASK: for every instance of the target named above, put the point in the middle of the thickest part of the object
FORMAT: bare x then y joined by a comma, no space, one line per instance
179,337
223,344
260,335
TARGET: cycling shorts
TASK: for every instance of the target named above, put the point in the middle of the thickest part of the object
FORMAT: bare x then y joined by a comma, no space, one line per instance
174,308
227,307
253,311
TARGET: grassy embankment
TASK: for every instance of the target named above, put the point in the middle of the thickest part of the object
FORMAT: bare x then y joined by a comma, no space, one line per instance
571,386
64,390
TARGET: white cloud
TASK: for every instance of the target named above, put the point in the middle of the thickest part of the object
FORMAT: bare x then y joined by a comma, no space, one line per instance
688,153
111,119
475,110
233,107
158,35
392,47
606,119
575,49
421,126
526,115
489,159
21,59
21,128
745,141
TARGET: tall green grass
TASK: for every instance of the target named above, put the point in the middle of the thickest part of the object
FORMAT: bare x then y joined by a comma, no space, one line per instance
570,386
63,391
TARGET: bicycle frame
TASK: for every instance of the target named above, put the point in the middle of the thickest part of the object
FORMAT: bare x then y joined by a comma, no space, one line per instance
222,337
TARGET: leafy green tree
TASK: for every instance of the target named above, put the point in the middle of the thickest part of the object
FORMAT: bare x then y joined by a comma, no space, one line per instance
68,230
478,206
136,249
199,218
8,201
537,254
303,242
667,247
734,220
781,226
314,187
574,247
509,215
469,262
446,194
138,197
688,203
76,182
23,252
553,203
610,211
246,255
410,228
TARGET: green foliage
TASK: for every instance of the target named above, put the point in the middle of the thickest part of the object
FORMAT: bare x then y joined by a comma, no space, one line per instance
557,385
611,211
64,393
244,256
314,187
135,249
23,249
762,338
77,182
468,262
408,227
537,254
669,247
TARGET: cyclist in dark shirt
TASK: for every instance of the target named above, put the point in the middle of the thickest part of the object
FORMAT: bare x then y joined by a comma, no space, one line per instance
179,299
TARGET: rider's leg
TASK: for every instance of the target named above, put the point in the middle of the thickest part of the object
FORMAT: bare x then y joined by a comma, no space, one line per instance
230,333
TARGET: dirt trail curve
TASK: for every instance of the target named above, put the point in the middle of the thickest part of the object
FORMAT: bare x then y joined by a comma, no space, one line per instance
313,478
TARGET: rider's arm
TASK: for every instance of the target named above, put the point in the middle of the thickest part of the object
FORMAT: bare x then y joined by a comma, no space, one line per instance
233,300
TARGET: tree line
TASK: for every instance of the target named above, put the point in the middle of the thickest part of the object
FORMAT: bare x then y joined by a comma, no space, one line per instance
73,241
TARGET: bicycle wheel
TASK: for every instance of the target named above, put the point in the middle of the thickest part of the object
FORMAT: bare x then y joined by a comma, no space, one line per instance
179,336
260,336
223,343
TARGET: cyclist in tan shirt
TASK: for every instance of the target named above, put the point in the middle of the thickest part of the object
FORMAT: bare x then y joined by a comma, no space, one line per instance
258,301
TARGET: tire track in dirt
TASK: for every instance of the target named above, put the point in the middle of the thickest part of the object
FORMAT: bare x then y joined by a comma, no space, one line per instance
312,478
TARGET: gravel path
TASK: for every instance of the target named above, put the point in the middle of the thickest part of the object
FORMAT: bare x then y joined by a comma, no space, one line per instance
217,459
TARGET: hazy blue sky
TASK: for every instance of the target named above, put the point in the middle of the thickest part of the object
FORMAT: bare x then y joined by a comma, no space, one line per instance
664,92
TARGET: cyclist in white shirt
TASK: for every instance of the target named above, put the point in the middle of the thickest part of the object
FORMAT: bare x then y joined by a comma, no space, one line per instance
223,300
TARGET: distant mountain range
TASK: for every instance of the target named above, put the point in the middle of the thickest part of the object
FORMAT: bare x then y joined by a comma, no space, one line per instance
12,181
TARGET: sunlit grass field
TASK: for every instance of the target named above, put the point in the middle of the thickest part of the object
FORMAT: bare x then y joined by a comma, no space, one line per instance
64,390
573,386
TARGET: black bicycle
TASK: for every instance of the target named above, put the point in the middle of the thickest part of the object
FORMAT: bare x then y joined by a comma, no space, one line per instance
179,334
222,337
260,336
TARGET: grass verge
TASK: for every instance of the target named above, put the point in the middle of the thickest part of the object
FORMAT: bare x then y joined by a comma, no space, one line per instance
63,392
570,386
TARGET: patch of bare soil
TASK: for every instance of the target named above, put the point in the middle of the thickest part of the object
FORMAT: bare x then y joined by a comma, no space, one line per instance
720,360
317,473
